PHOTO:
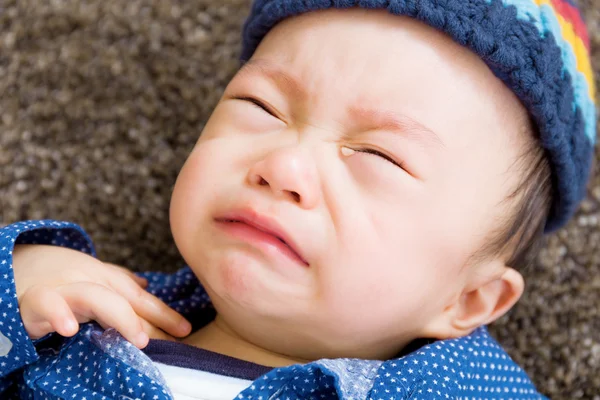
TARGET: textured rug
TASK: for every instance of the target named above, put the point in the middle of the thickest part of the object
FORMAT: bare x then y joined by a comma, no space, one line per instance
101,102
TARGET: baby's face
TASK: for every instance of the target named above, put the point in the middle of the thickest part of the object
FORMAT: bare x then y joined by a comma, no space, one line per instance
381,152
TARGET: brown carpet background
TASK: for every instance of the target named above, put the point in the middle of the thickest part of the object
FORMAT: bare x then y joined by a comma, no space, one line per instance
102,100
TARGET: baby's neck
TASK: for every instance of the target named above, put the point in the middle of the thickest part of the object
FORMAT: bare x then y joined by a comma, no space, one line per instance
219,338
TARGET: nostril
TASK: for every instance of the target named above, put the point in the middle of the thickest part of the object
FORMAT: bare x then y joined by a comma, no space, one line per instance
295,196
263,182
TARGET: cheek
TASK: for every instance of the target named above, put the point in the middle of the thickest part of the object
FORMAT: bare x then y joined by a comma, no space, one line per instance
390,277
198,180
194,190
365,285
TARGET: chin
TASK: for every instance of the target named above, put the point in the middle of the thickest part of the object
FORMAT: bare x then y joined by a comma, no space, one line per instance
235,277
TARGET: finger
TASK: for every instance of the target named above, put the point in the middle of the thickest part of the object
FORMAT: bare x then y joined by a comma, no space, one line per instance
151,308
156,333
143,282
99,303
152,331
44,310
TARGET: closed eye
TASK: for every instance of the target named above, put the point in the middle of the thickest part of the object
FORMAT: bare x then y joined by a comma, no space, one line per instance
382,155
258,104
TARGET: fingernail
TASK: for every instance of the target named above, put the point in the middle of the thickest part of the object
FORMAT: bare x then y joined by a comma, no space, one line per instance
142,339
185,326
70,325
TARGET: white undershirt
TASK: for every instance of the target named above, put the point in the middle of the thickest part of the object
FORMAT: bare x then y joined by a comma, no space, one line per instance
191,384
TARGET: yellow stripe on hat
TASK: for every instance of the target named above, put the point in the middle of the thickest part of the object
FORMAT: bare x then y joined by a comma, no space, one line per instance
580,51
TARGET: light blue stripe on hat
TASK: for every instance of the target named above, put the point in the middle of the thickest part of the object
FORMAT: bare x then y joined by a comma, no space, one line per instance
543,17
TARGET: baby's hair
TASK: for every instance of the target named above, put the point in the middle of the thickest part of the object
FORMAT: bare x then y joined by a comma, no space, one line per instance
521,234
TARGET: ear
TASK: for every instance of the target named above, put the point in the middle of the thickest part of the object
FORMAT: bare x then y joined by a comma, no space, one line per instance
481,302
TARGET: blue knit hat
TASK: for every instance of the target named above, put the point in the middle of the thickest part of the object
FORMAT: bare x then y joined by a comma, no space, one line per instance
538,48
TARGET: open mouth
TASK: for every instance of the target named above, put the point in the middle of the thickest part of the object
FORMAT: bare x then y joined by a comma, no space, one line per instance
262,231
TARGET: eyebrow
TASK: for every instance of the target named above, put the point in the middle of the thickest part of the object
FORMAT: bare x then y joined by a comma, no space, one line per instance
374,119
367,118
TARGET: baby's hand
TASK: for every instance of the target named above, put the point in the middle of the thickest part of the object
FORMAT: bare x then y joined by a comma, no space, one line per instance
57,288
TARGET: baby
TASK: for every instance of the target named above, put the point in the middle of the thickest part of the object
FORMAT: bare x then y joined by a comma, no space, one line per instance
357,209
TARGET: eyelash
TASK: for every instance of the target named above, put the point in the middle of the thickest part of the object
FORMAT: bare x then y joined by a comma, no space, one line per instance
258,104
382,155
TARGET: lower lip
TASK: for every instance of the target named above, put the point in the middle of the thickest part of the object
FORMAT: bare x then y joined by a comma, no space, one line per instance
262,240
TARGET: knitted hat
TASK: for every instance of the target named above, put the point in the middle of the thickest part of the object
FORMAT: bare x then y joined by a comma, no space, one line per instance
539,48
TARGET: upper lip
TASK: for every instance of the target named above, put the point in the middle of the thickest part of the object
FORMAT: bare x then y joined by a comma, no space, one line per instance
265,224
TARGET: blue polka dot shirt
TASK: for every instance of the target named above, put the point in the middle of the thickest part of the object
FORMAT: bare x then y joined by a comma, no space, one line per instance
101,364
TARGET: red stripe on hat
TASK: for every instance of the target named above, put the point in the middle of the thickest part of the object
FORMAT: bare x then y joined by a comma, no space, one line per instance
571,14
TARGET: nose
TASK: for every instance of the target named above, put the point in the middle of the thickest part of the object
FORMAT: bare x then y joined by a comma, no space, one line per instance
289,173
